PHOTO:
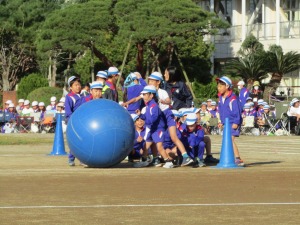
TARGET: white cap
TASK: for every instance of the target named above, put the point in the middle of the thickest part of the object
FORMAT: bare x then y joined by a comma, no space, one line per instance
34,103
60,104
213,103
48,108
11,105
63,99
175,113
41,104
149,89
294,100
156,76
26,102
8,102
225,80
53,99
208,100
21,100
112,71
191,119
195,110
241,82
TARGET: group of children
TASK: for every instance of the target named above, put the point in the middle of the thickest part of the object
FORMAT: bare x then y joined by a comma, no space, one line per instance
163,137
25,109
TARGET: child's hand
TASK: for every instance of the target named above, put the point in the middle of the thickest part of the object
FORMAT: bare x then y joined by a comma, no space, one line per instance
139,139
124,104
234,126
220,125
138,112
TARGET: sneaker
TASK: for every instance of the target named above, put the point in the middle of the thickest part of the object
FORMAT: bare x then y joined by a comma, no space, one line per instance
157,162
239,162
211,159
71,163
187,161
199,163
141,164
169,164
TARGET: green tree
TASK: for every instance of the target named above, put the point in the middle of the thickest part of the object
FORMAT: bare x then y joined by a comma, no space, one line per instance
30,83
278,65
19,20
251,63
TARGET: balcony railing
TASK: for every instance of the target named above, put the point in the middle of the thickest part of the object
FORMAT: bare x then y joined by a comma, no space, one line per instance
262,31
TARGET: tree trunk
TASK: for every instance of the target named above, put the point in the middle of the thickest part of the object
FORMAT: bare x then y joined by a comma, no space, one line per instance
102,57
50,71
5,81
140,57
272,86
54,70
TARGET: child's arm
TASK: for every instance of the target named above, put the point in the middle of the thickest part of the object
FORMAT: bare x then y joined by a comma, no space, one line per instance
68,107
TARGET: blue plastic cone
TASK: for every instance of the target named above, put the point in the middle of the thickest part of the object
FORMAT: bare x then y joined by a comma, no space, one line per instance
227,160
58,144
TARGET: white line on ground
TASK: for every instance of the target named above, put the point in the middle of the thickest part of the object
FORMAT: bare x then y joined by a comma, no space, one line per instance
150,205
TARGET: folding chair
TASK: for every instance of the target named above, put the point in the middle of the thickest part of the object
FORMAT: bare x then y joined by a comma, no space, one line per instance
213,125
48,123
247,125
24,123
282,118
35,126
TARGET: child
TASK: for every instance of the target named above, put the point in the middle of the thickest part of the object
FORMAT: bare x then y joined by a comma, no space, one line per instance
193,138
60,108
229,107
96,92
20,105
86,90
133,85
155,126
53,103
72,102
35,106
102,77
42,109
26,110
139,142
111,93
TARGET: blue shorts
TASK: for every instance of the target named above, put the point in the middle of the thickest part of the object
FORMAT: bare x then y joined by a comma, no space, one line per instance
236,132
169,117
156,136
168,145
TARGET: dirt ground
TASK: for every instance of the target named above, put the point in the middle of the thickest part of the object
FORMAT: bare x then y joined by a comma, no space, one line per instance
40,189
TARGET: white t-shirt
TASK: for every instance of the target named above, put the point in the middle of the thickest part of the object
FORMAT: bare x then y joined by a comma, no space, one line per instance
162,95
27,111
294,111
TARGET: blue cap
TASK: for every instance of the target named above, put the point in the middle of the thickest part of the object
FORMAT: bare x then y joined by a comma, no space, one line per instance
226,80
96,84
102,74
213,103
176,113
247,106
191,119
149,89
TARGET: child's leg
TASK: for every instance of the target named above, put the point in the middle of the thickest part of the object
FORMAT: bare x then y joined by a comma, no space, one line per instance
175,139
235,148
200,149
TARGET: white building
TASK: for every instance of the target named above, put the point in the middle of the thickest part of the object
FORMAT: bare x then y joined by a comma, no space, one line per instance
270,21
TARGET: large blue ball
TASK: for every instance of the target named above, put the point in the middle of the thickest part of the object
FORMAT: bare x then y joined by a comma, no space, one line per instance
100,133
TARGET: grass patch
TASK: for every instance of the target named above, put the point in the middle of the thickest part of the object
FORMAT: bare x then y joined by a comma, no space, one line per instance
25,139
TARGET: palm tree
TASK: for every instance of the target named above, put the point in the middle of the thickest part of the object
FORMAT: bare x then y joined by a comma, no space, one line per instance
279,64
250,67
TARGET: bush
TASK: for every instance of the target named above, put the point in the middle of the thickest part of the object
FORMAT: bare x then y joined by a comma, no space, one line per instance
204,92
30,83
44,94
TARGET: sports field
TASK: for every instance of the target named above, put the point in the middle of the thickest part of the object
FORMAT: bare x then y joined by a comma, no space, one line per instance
40,189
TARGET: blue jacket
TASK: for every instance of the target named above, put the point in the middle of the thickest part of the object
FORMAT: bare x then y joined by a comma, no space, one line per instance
230,109
72,102
194,138
133,92
244,94
139,145
153,117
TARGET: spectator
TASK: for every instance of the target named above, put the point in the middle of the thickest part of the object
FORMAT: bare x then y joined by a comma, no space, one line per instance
111,93
86,90
256,92
244,93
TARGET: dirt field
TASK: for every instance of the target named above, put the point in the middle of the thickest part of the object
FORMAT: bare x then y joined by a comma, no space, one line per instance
40,189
